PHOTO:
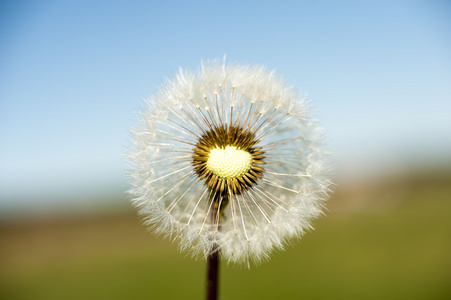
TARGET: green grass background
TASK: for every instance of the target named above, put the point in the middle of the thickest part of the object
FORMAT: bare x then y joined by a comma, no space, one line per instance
378,241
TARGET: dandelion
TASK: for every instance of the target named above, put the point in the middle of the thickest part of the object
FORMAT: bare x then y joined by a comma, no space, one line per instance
227,161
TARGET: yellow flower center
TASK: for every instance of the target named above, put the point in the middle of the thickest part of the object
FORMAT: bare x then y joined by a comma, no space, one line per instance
229,162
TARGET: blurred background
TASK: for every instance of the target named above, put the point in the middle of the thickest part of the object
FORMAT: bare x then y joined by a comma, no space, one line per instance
74,74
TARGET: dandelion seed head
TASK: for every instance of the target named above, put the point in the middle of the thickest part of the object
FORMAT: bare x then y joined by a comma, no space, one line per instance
228,158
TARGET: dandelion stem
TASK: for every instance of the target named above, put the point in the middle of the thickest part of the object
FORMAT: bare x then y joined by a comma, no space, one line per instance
212,273
220,200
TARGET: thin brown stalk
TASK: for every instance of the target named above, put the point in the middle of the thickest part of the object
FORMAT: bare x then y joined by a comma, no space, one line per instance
213,274
220,200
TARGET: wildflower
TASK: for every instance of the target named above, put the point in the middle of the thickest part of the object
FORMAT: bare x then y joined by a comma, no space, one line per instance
227,159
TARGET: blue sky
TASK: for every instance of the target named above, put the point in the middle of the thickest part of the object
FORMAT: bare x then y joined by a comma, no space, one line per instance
73,75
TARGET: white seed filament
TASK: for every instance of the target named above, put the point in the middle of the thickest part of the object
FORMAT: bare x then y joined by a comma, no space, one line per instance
229,162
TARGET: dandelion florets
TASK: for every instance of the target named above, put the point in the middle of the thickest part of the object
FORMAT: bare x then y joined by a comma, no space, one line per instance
228,158
229,162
